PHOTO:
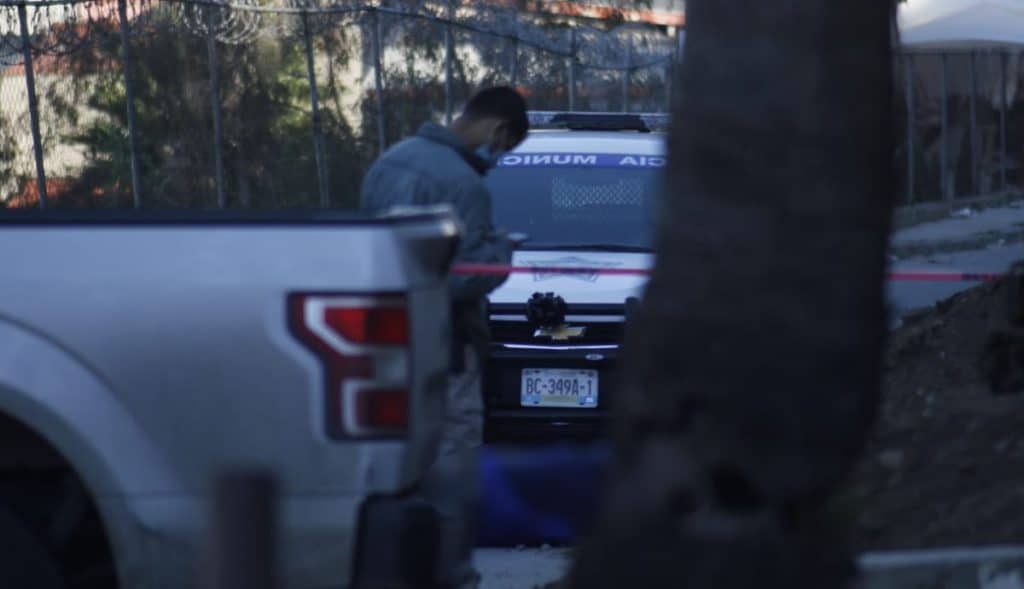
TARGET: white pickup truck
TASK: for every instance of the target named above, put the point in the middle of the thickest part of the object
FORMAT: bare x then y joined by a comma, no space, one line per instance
142,355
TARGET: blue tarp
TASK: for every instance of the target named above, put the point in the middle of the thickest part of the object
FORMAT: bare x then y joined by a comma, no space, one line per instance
539,494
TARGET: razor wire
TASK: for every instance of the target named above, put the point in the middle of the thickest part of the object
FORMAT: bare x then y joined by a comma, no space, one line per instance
54,29
226,23
59,27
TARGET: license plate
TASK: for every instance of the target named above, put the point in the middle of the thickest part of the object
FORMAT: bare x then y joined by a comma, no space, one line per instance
559,387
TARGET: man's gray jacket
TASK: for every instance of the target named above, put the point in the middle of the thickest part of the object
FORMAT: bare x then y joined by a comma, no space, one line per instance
436,167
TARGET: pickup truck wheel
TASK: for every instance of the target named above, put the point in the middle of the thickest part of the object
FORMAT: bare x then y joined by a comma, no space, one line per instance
24,558
48,519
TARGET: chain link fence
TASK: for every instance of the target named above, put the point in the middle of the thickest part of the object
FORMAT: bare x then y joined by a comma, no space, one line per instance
161,103
961,124
201,103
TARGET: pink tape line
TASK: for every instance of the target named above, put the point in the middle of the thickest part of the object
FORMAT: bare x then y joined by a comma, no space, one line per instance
946,276
474,268
493,269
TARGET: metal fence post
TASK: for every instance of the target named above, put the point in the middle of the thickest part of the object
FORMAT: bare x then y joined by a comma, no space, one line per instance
218,130
33,106
243,531
670,72
449,49
973,131
909,75
514,65
677,67
571,66
378,81
128,65
1002,119
314,100
626,74
671,69
948,192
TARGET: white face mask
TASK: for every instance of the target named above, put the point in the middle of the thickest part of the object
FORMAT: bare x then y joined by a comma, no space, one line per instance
488,153
492,157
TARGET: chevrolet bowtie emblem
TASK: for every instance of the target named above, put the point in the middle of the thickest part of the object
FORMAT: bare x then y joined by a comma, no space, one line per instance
561,333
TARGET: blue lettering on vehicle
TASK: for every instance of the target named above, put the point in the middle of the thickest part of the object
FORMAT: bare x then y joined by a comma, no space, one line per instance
581,160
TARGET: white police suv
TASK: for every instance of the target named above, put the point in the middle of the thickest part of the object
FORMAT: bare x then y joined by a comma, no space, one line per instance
584,188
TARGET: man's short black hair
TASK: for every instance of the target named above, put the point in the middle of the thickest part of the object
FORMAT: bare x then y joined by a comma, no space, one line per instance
500,102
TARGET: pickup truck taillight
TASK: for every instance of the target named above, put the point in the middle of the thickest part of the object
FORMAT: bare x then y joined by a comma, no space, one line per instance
363,345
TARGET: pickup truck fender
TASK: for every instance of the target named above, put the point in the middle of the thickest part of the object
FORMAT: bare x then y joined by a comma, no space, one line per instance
66,403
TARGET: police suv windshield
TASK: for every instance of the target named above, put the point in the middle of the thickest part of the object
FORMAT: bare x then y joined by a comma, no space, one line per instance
577,200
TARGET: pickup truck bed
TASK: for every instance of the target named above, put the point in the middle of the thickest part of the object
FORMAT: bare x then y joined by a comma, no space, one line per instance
151,352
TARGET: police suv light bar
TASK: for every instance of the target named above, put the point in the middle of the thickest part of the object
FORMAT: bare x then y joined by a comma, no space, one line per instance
599,121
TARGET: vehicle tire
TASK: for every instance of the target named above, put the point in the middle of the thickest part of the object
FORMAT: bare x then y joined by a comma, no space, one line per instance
24,558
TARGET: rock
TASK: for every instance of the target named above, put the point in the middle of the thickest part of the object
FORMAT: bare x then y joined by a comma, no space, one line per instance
915,315
963,213
892,459
545,547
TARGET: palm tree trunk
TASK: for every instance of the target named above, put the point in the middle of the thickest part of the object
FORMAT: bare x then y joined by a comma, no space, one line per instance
753,365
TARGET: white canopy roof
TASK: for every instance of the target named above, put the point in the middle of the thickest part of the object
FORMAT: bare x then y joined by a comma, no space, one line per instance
962,23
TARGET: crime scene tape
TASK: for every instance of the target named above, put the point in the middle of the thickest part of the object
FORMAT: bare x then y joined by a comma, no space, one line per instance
946,276
478,269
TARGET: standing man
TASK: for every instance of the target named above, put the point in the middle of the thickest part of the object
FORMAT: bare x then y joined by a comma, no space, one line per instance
446,165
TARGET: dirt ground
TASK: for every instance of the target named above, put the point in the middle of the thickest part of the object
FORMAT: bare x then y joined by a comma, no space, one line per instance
946,464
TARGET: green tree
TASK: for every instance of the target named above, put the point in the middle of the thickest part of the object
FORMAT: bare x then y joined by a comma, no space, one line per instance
268,139
9,177
264,103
